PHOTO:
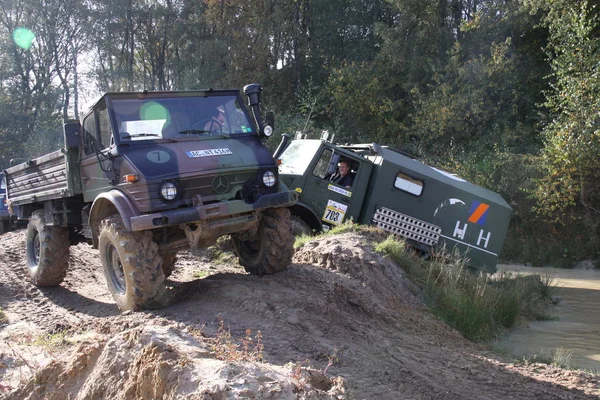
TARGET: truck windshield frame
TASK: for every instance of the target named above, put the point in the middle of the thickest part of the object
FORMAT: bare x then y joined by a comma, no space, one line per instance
298,156
182,117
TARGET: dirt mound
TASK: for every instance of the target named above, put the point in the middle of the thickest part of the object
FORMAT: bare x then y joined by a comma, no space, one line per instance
341,309
154,362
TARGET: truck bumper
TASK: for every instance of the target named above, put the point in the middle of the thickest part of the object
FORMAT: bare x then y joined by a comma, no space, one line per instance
216,214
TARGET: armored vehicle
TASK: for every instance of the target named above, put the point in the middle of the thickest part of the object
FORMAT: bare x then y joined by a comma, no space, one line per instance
430,208
146,174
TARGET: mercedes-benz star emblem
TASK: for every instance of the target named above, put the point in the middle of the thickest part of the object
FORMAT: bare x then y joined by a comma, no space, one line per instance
220,184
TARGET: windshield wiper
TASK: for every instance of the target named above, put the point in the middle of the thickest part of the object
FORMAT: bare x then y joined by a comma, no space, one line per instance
194,131
139,135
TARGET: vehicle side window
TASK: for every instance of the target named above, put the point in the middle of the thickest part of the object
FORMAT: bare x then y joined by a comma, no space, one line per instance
89,134
321,169
104,125
408,184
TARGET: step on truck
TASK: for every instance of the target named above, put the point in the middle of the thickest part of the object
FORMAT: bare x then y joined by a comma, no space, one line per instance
147,174
430,208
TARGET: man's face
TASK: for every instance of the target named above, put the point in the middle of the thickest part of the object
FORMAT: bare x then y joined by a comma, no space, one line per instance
344,169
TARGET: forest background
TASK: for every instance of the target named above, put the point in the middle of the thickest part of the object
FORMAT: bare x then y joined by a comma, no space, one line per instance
504,93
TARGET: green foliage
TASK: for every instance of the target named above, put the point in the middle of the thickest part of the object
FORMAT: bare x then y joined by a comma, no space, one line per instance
573,136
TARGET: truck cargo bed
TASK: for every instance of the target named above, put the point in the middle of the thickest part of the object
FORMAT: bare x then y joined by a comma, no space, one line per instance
40,179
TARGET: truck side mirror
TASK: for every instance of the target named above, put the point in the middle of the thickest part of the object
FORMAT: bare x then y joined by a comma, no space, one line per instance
72,132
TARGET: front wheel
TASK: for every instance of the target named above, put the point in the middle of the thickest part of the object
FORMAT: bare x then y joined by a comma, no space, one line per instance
272,248
132,265
47,251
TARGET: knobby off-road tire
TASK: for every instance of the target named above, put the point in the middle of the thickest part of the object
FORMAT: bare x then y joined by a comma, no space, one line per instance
168,263
132,265
47,251
272,248
299,227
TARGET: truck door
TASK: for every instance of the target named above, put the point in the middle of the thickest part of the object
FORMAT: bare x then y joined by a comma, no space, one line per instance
334,203
96,167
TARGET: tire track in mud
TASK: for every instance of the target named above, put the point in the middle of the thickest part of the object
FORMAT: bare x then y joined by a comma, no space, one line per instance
71,306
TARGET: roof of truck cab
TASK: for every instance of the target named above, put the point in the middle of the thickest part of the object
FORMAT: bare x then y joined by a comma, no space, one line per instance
182,93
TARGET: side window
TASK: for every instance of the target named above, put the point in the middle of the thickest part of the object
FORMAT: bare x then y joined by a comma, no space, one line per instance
322,169
89,134
104,125
408,184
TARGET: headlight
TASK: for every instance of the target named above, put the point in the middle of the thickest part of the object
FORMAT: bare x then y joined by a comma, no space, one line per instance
269,178
268,130
168,190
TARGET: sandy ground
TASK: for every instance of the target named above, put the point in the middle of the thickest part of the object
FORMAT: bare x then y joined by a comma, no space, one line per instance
341,322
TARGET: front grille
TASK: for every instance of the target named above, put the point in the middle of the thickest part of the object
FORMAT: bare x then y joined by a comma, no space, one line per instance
407,226
203,186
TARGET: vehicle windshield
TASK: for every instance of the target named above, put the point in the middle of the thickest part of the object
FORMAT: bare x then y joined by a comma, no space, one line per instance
178,117
296,158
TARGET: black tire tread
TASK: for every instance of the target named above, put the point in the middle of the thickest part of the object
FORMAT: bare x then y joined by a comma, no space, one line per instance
54,251
141,262
168,263
276,244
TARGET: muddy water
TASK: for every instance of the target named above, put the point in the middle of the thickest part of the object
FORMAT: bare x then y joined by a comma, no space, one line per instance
577,328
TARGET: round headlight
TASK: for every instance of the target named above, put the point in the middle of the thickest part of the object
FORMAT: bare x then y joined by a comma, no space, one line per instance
269,178
168,191
268,130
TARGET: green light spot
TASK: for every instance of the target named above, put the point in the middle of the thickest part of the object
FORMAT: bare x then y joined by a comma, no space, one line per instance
23,38
153,110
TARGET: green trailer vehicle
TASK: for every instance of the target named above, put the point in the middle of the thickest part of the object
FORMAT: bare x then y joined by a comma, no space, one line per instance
146,174
428,207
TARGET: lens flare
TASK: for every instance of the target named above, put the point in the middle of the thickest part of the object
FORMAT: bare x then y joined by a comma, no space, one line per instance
23,38
153,110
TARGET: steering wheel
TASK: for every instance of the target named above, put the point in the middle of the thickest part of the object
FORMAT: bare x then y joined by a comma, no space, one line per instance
212,125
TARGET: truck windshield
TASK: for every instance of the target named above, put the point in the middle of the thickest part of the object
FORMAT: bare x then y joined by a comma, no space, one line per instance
179,117
296,158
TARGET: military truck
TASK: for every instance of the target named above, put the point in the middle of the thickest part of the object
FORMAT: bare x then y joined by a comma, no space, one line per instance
430,208
146,174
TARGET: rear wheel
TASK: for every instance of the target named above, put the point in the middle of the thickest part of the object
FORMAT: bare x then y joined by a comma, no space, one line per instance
132,265
271,249
47,251
168,263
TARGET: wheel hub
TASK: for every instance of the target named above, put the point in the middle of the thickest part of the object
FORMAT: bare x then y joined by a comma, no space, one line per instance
116,269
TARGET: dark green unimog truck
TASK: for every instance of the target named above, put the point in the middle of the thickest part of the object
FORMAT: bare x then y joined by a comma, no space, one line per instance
147,174
429,207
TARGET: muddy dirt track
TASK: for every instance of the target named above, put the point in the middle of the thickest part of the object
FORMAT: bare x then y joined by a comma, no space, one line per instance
339,301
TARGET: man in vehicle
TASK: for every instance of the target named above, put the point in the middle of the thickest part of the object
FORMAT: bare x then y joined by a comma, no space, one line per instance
215,123
344,176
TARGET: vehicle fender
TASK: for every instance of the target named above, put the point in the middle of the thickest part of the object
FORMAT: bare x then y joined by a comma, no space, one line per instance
308,215
107,204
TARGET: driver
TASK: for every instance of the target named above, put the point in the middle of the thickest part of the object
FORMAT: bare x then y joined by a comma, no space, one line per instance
215,123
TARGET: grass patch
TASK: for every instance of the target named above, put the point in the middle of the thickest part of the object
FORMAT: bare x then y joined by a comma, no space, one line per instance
220,253
559,357
200,274
3,317
475,304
